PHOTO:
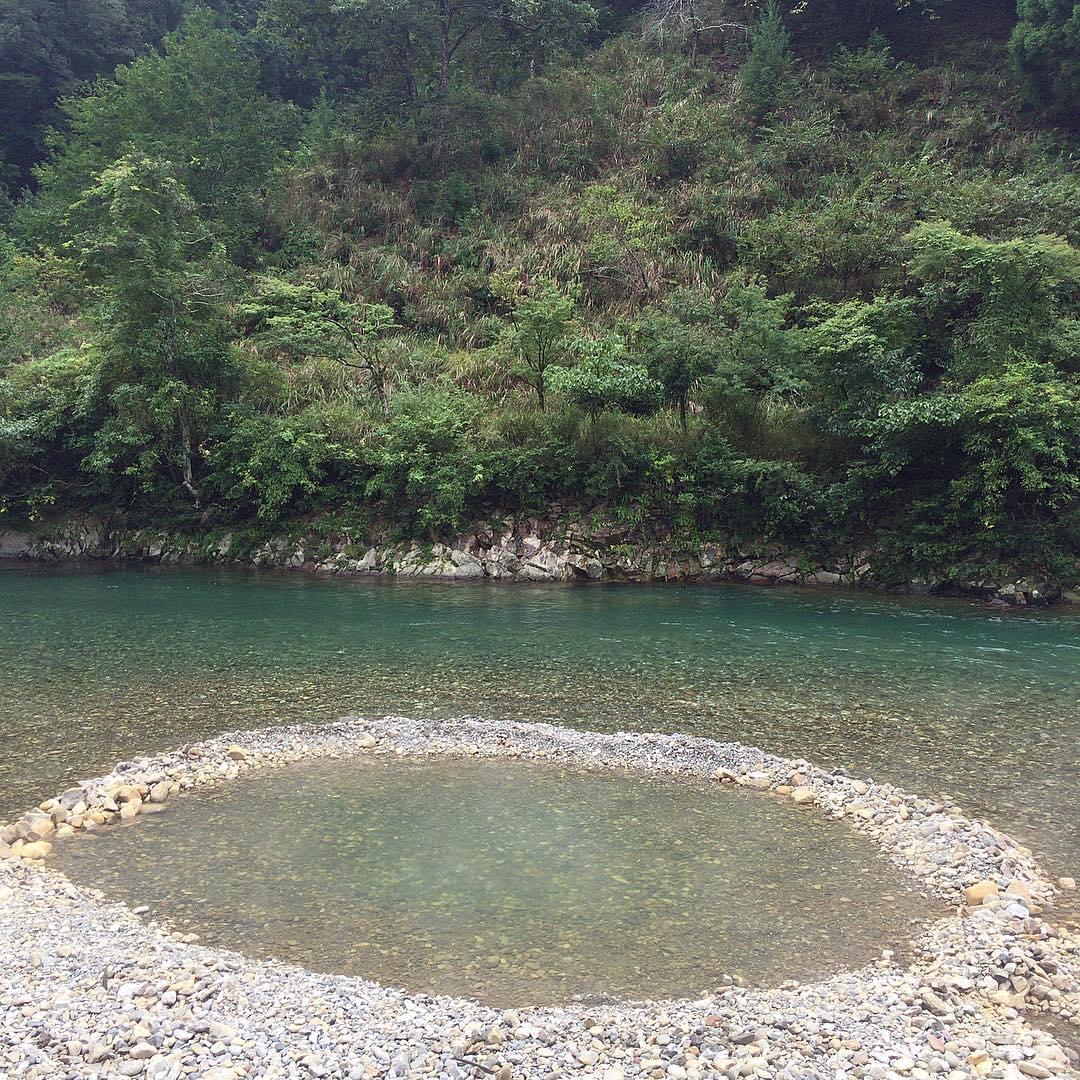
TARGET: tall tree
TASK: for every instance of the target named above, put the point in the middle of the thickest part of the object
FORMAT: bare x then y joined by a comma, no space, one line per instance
767,62
163,337
426,43
197,107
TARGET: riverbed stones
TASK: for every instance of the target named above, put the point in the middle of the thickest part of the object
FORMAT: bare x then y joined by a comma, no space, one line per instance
87,986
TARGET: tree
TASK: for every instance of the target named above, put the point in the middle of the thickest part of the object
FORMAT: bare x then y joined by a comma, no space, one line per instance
767,63
994,303
679,348
1045,50
542,319
603,378
48,50
197,108
626,238
426,42
760,361
301,320
165,364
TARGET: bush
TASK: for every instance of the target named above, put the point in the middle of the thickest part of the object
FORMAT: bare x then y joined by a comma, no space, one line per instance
603,379
272,466
424,469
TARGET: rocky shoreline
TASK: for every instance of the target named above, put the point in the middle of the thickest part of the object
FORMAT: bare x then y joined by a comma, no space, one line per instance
527,550
89,989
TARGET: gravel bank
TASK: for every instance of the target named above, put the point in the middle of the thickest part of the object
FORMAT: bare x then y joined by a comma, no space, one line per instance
88,989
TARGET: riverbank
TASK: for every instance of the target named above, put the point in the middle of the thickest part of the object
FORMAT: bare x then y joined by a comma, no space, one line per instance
528,550
93,990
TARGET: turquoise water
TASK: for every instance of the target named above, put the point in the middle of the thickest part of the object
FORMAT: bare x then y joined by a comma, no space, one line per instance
513,882
943,697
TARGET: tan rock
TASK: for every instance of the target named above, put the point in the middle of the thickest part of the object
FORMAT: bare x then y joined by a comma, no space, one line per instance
756,781
160,792
367,740
237,753
803,796
977,893
130,809
38,849
1067,883
42,827
1018,888
64,832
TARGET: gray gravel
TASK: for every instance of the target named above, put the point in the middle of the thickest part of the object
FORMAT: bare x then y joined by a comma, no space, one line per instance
89,989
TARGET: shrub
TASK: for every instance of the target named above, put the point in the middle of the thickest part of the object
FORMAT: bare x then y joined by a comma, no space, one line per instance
603,379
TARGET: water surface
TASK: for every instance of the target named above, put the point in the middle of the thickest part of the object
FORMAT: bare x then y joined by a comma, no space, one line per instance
513,882
944,697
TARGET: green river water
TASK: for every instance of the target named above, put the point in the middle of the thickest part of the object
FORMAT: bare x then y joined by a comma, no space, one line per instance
943,697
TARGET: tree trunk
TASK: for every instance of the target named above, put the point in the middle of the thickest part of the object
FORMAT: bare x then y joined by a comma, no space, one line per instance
445,20
408,71
185,435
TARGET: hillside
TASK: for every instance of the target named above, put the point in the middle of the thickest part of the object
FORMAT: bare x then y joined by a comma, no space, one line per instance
803,280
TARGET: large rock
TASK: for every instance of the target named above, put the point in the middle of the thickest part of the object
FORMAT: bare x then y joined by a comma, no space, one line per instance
36,850
586,566
977,893
544,566
501,562
15,545
463,566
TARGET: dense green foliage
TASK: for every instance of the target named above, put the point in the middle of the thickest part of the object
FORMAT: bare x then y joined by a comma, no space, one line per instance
1045,47
738,276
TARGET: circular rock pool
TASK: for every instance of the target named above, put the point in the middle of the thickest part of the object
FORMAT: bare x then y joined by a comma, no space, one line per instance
509,881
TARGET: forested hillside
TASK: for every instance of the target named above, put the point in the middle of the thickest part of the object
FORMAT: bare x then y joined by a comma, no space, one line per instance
795,274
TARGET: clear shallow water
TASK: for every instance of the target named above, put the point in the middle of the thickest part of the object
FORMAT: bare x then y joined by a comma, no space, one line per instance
943,697
514,882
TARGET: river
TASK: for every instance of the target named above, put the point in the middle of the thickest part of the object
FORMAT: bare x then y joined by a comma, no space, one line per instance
944,697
